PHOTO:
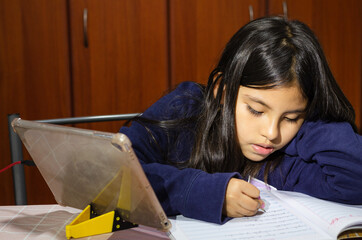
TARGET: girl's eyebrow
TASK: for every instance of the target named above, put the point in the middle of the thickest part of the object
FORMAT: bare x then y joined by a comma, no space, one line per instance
254,99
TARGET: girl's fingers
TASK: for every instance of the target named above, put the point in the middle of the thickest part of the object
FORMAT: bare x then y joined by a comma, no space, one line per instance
248,203
249,189
248,209
242,212
241,199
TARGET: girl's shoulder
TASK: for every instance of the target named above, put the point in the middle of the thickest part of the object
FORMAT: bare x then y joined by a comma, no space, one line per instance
185,100
186,92
326,128
189,86
317,136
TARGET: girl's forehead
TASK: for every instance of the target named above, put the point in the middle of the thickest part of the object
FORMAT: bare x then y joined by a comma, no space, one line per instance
289,96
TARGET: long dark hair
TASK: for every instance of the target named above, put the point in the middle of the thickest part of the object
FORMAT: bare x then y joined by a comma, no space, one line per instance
265,53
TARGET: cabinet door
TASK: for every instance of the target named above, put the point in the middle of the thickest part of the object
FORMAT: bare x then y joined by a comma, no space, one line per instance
124,66
199,30
34,78
337,24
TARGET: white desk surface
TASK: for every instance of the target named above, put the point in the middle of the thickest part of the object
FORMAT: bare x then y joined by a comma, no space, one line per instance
46,222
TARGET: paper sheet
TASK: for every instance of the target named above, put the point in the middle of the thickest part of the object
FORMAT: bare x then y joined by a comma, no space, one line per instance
269,225
330,216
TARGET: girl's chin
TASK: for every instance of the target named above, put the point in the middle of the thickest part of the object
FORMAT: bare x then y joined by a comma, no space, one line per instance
255,157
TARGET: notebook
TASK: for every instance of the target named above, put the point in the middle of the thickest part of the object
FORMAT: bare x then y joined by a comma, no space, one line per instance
83,167
288,215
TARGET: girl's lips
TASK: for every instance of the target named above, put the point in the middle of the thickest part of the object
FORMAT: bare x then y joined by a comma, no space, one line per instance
262,150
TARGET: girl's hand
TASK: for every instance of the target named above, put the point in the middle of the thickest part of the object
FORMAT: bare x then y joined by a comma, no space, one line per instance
241,199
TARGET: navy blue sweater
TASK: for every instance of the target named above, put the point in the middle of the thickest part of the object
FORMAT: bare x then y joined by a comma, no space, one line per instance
323,160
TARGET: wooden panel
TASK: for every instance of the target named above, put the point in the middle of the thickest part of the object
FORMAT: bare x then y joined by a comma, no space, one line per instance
125,67
200,30
34,77
337,24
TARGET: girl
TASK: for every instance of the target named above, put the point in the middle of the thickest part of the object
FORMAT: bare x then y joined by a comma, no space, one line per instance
271,110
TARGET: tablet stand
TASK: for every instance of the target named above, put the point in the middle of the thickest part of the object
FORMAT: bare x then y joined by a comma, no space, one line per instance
88,223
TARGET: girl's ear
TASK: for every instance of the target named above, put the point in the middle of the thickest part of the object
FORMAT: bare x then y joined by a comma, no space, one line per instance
216,88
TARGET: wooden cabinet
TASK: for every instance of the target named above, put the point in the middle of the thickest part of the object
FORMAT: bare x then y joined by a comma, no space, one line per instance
199,31
124,67
337,25
34,77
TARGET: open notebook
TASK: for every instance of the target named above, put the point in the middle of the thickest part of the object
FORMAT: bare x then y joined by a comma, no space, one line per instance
83,167
289,215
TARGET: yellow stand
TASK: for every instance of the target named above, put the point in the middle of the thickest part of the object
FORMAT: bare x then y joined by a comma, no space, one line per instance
86,225
89,223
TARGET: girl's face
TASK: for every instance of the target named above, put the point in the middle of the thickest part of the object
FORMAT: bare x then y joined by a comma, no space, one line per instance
268,119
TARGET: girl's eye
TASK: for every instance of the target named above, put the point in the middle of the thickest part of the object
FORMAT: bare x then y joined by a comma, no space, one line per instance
254,112
292,120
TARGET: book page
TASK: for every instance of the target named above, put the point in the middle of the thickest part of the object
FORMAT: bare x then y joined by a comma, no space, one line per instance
332,217
277,223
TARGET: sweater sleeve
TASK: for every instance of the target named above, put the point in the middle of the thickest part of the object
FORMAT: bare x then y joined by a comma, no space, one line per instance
325,161
190,192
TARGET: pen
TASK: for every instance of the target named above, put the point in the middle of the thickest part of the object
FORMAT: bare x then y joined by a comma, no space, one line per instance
261,207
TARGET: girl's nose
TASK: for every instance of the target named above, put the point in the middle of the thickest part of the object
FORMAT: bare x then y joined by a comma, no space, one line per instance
271,130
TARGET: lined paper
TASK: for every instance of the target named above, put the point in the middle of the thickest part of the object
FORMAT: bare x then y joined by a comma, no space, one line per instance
277,223
331,216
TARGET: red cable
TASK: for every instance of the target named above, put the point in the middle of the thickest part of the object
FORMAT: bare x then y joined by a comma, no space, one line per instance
9,166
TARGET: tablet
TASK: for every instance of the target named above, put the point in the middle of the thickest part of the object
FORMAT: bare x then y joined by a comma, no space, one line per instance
83,167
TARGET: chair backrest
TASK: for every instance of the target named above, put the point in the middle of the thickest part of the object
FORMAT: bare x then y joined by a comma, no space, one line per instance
16,148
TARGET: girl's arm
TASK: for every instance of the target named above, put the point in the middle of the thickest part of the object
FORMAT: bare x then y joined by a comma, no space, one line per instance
191,192
325,161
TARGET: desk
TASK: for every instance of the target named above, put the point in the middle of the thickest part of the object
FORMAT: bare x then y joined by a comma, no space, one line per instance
44,222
